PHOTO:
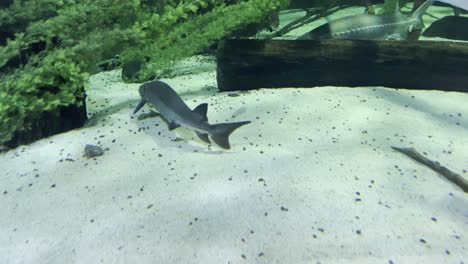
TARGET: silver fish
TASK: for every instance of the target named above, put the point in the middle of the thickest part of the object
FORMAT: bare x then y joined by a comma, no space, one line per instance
371,27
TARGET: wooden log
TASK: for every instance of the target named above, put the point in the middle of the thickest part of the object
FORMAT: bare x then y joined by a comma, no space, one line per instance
244,64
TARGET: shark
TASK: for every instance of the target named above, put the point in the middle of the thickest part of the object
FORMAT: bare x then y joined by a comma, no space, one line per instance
177,114
394,26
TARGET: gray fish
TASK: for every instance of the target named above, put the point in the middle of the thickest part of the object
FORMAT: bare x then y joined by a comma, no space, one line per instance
173,109
371,27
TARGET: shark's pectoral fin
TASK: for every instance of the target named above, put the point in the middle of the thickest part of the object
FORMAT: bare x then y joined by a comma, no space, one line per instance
148,115
173,125
394,36
139,106
202,109
203,136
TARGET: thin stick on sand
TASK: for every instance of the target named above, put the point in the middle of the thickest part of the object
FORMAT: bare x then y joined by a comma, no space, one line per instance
448,174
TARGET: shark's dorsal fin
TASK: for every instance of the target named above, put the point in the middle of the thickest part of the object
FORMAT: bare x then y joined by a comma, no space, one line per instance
202,109
397,7
173,125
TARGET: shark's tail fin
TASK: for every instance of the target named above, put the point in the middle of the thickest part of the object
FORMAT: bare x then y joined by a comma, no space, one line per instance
418,13
220,132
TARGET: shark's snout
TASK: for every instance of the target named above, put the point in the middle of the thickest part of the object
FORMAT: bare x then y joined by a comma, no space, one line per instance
143,99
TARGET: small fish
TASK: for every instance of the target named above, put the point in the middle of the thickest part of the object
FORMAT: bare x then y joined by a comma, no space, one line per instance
371,27
174,110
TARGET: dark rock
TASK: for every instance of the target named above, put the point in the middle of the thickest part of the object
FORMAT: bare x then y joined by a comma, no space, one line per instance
50,123
93,151
131,69
449,27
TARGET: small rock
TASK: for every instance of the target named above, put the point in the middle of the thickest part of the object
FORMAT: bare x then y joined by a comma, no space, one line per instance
93,151
131,69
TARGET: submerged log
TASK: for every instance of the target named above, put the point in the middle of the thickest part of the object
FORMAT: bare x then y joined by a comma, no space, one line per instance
250,64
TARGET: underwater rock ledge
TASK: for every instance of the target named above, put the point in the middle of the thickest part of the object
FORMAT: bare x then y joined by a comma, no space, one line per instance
49,123
252,64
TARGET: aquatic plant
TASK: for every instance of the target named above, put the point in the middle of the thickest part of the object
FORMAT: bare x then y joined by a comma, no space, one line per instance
45,65
26,92
21,13
199,32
